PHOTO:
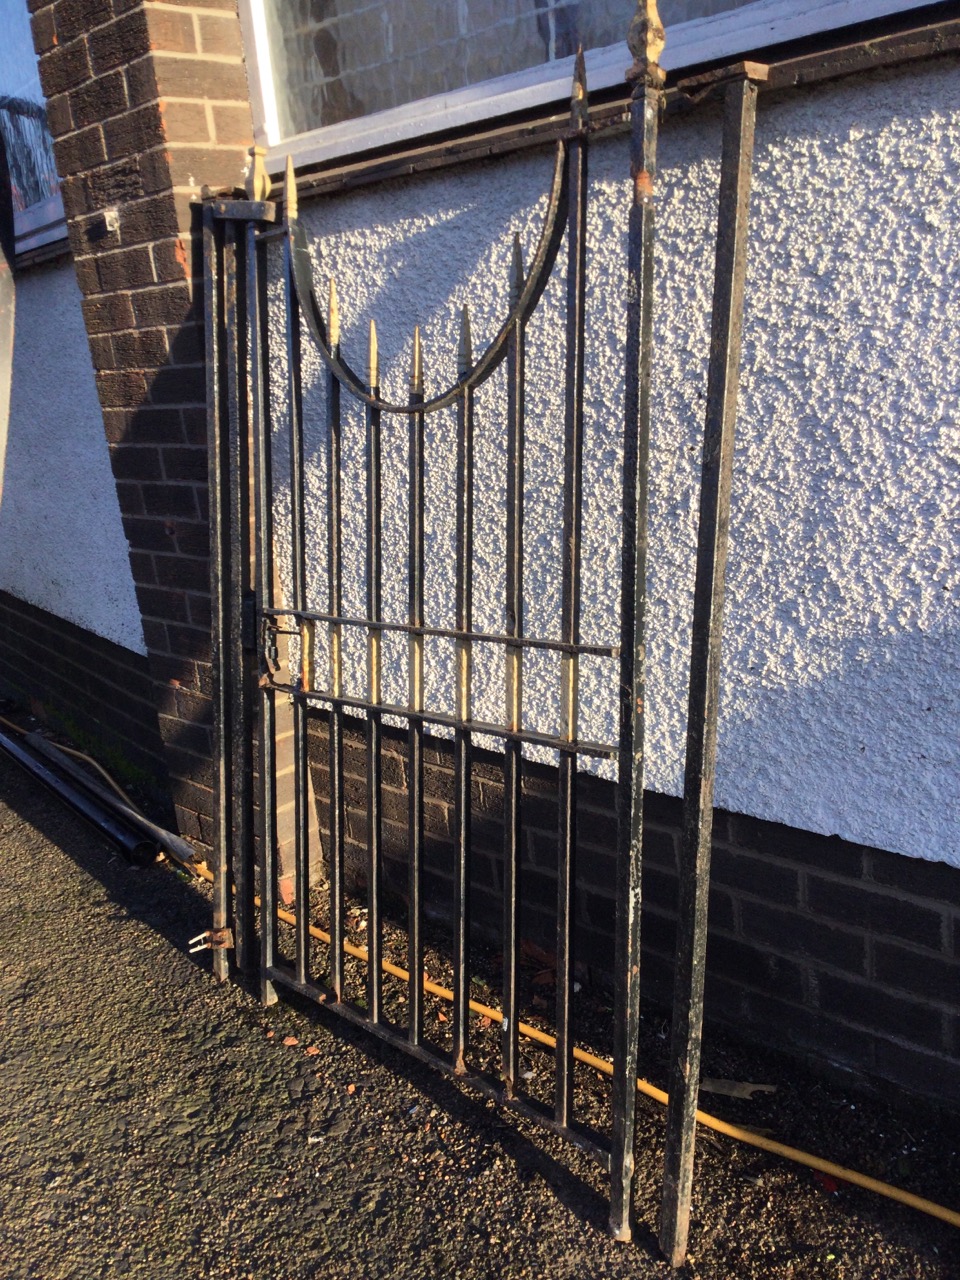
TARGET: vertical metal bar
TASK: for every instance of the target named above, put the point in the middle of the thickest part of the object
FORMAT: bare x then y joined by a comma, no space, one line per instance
266,727
219,465
299,590
238,523
513,760
374,691
463,750
335,592
415,662
255,374
716,476
570,589
646,42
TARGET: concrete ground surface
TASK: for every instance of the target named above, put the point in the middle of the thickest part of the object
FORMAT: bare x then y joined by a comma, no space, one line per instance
156,1124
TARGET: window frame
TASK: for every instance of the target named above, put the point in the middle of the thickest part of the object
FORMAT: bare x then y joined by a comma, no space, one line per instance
760,25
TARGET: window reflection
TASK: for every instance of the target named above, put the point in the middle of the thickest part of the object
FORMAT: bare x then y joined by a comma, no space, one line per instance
336,60
23,120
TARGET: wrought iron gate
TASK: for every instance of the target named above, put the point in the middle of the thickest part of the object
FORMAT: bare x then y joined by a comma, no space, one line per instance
253,620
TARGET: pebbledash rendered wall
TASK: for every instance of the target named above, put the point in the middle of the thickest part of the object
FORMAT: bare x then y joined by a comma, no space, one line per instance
71,639
836,904
841,695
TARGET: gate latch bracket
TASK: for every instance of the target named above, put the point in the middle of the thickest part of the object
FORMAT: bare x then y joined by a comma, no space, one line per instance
212,940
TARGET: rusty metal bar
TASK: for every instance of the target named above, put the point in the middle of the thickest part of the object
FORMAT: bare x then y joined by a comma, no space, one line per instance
299,592
453,633
513,715
235,344
415,671
267,650
219,469
374,688
716,478
646,43
335,594
570,587
463,749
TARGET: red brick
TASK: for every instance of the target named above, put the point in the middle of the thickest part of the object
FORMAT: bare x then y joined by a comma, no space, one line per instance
101,351
78,152
108,313
131,462
65,68
192,78
879,913
74,17
169,304
185,121
176,500
149,219
141,348
198,166
231,125
171,32
171,259
117,43
114,184
130,498
99,99
185,464
43,30
184,384
119,389
144,425
135,132
220,36
125,269
59,115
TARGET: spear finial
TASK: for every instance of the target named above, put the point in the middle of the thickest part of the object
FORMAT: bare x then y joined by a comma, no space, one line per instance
465,350
333,315
645,40
579,114
373,358
516,270
290,192
416,364
257,183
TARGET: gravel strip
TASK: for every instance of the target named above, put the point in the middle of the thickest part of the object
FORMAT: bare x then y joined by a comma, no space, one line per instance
159,1125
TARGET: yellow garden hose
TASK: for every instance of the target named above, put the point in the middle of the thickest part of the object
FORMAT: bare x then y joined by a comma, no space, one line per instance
651,1091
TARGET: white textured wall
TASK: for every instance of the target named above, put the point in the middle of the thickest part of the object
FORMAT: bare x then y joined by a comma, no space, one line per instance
62,545
840,696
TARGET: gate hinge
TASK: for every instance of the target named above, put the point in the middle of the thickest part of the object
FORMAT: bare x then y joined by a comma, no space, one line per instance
212,940
248,622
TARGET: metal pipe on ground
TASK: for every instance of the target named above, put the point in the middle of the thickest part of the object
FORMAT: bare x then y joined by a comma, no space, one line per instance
179,849
138,849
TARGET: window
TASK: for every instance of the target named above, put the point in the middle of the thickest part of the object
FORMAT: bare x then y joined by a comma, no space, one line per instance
337,76
38,209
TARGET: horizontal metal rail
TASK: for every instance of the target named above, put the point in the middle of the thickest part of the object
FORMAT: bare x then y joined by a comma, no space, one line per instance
446,633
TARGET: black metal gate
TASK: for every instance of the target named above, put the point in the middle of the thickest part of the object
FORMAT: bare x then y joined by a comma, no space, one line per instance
253,620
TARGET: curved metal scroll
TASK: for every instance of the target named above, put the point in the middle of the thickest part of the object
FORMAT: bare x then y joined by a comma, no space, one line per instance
541,268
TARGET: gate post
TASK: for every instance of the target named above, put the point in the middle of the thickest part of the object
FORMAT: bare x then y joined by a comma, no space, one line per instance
646,41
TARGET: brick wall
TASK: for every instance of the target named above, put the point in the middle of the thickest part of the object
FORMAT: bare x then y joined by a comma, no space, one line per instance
99,693
837,950
146,101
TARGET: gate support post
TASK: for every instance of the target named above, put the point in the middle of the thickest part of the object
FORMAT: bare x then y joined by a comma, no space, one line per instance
722,387
646,41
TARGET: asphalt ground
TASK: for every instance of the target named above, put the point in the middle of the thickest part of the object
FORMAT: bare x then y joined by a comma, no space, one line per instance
157,1124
